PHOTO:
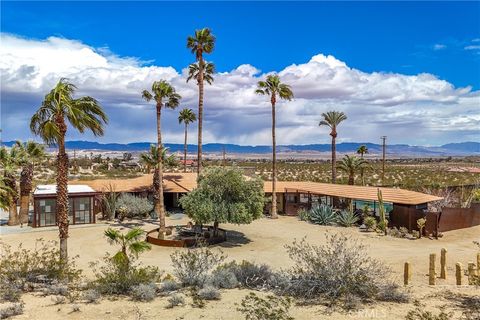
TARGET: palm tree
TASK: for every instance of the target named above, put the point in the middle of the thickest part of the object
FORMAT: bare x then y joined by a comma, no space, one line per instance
9,159
5,192
202,42
50,123
332,119
31,152
208,71
150,159
165,96
361,151
130,244
186,116
272,87
350,165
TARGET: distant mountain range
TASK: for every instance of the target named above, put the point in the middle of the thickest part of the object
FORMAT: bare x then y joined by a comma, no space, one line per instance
462,148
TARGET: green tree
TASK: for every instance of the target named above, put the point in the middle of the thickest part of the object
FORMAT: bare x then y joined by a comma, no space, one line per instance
350,165
5,192
31,153
362,150
332,119
130,244
208,72
273,88
50,123
186,116
224,195
10,159
203,41
164,95
150,160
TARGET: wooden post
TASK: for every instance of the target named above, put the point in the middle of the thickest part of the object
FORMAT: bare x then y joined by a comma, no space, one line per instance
431,271
458,273
471,272
407,273
443,264
478,263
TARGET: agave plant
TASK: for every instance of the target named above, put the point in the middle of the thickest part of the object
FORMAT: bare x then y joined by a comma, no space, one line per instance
347,218
323,215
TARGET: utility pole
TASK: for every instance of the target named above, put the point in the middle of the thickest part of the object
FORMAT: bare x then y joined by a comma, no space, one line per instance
383,158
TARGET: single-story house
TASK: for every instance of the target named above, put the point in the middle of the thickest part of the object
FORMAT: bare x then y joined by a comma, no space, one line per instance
403,207
84,204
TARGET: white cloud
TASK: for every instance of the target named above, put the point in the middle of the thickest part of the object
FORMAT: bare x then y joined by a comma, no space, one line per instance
472,47
439,46
409,108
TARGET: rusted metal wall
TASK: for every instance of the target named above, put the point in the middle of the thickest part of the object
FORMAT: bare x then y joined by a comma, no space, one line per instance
459,218
405,216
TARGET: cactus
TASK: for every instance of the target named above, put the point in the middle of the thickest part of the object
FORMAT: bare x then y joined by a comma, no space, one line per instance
381,208
421,225
323,215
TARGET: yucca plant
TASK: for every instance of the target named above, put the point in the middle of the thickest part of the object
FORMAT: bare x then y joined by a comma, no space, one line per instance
323,215
347,218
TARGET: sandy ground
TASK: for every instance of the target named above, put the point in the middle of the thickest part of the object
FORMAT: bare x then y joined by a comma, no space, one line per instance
262,241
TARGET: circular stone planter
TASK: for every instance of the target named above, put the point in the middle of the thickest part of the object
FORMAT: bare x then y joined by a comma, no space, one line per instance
206,236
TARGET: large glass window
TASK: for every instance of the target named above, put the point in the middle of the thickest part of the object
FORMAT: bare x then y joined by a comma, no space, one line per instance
82,210
47,211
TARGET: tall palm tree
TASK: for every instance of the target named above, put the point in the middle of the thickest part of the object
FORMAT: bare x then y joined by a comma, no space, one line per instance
202,42
208,71
350,165
150,158
130,244
50,123
32,153
164,95
9,159
273,88
361,151
332,119
186,116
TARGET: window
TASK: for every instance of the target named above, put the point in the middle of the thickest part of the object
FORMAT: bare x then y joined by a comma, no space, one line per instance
47,212
82,210
291,198
303,198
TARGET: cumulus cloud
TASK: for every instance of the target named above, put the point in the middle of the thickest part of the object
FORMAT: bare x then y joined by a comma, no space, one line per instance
409,108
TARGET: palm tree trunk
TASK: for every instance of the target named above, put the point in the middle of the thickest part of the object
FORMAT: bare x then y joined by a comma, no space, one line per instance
12,208
159,204
361,171
274,164
351,179
62,189
25,189
185,151
200,114
334,160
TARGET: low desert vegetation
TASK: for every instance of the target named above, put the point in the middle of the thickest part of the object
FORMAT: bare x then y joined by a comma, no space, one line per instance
254,307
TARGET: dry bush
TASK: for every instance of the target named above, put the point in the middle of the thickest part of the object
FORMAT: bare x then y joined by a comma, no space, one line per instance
339,271
269,308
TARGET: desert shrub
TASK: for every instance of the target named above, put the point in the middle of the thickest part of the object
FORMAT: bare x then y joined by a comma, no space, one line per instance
403,232
91,296
382,225
135,207
370,223
56,289
10,292
394,232
169,285
419,313
114,278
303,215
248,274
393,293
192,267
175,300
224,278
415,234
269,308
11,310
337,271
347,218
323,215
42,264
75,308
58,300
209,293
144,292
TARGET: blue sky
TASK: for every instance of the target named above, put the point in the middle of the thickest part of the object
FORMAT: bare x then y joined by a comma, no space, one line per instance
438,38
